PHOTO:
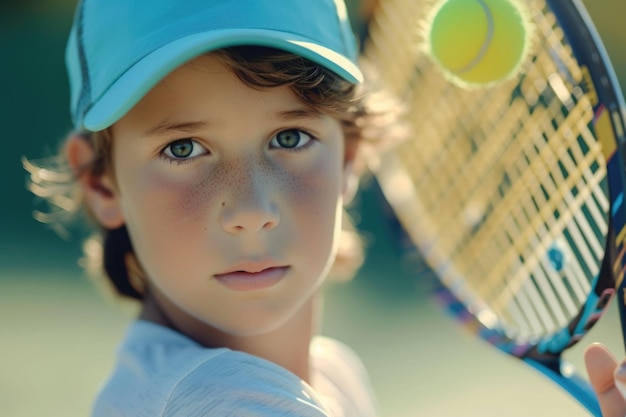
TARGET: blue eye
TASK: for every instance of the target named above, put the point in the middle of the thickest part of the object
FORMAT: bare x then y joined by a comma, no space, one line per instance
183,149
290,139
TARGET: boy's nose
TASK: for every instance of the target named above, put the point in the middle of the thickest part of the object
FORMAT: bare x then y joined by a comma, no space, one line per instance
248,205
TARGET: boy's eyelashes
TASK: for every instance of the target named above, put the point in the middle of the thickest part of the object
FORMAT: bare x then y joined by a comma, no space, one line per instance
186,149
291,139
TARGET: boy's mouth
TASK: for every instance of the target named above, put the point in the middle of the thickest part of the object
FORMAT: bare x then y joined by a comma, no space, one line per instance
252,276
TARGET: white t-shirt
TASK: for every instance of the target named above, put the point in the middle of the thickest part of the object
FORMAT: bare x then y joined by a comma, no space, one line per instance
162,373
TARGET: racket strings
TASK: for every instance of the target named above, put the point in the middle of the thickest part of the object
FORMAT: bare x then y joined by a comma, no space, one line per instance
503,189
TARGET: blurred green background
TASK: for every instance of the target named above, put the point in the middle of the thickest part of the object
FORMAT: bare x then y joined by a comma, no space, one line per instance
58,334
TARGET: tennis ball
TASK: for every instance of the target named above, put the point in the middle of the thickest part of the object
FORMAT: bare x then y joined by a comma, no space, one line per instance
478,42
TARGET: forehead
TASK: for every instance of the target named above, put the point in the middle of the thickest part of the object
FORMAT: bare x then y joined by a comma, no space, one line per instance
211,77
206,90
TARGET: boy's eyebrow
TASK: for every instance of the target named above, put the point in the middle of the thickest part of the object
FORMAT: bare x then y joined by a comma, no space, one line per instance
166,126
304,113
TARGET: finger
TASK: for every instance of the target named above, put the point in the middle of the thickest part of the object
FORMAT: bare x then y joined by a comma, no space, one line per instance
601,365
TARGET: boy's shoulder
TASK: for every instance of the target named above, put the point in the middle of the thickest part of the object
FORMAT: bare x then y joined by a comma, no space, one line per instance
162,373
341,379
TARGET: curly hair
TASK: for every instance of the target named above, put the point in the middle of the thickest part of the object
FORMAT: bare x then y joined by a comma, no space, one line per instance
109,253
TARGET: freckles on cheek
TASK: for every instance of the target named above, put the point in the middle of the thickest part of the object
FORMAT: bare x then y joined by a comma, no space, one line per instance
313,201
175,200
317,188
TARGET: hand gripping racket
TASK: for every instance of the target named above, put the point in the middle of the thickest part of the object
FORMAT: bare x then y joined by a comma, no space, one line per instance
514,194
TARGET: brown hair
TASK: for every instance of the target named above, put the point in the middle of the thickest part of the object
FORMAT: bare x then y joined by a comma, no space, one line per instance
111,252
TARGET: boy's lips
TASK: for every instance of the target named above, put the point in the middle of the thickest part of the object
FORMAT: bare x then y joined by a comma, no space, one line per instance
251,276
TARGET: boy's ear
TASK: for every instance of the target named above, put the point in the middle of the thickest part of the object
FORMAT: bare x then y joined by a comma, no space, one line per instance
99,190
350,174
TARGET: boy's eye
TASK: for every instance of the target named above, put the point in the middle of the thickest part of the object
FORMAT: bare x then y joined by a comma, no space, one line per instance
290,139
184,149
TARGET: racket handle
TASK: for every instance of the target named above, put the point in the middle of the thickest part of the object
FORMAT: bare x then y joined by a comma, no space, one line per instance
576,386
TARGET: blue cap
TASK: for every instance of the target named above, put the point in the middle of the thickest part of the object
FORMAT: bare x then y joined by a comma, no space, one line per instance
119,49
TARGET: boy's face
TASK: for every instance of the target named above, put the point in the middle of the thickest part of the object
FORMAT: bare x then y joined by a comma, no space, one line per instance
232,196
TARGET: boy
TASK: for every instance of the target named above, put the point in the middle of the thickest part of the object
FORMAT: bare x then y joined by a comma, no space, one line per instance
215,147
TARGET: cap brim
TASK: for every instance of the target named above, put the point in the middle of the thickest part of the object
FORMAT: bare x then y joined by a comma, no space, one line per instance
145,74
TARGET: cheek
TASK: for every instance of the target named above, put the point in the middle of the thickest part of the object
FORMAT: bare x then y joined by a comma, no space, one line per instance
318,181
176,194
155,197
315,199
166,217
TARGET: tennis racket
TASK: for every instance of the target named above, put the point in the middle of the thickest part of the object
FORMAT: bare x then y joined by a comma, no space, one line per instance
513,194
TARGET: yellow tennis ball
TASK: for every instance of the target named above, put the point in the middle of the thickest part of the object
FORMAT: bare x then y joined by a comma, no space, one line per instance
478,42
